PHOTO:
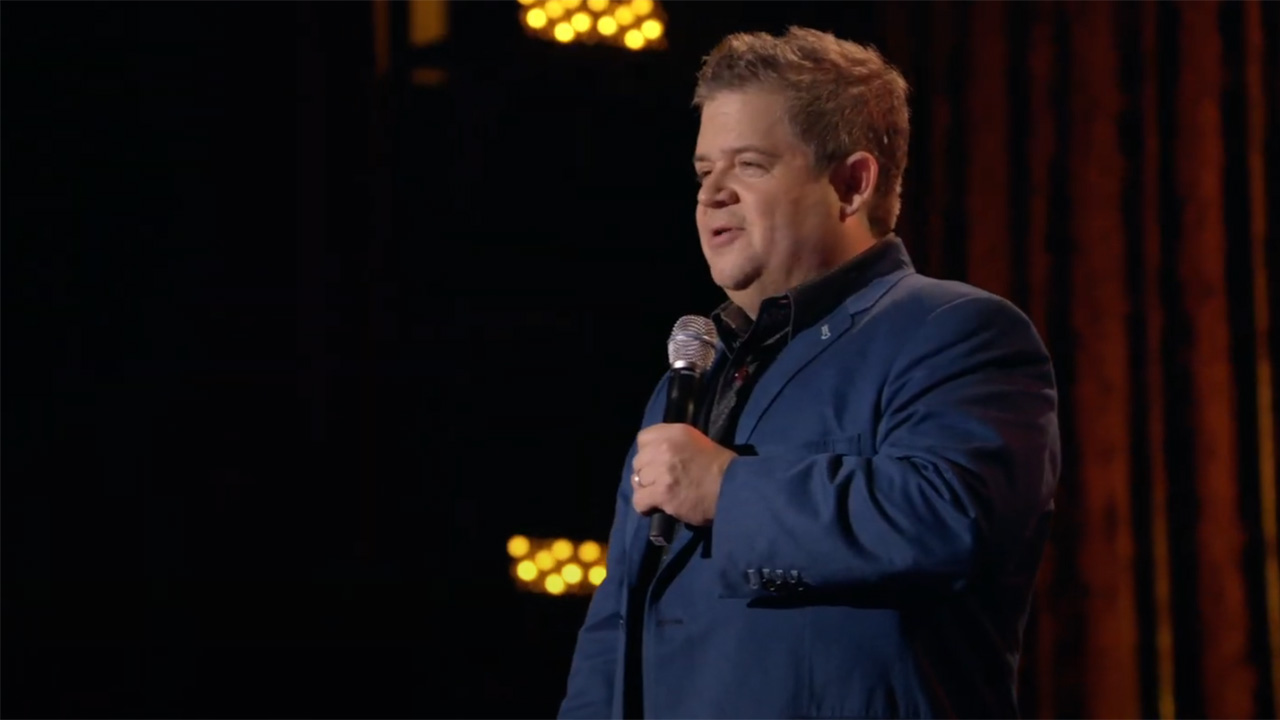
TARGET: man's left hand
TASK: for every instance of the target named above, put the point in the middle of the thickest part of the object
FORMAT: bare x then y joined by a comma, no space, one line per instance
678,470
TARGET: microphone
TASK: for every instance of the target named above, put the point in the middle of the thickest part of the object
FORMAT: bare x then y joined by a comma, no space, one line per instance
690,349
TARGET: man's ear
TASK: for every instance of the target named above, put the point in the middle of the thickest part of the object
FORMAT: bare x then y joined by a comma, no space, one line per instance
854,179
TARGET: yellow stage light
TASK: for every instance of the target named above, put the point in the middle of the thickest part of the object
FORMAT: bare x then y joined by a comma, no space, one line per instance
589,551
572,573
595,21
556,566
581,21
518,546
544,560
526,570
554,584
562,549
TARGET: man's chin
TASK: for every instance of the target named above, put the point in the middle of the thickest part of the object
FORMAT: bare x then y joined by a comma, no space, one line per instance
734,283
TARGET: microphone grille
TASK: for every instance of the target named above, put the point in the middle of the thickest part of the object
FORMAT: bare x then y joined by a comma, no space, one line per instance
692,342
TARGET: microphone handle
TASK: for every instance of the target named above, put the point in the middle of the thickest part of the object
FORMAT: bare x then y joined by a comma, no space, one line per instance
682,391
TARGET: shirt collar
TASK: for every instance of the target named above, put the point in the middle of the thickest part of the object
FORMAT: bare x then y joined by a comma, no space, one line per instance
800,307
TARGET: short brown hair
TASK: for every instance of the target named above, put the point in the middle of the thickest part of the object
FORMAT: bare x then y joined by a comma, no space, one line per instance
841,97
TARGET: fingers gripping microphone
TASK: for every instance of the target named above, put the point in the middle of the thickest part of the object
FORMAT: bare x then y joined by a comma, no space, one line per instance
690,350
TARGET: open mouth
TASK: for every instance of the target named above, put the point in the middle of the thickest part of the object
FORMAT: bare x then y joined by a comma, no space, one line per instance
723,230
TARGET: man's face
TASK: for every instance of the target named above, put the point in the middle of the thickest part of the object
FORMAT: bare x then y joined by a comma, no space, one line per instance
765,216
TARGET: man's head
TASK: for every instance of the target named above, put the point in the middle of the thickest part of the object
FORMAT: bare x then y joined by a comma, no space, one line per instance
800,156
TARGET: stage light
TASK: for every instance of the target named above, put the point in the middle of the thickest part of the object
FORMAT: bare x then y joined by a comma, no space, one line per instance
631,24
554,584
572,573
518,546
589,551
556,566
526,570
544,560
562,549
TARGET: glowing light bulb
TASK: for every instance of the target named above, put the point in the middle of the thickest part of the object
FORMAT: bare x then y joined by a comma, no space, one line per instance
536,18
554,584
544,560
596,575
634,39
526,570
564,32
607,25
562,549
651,29
572,573
641,7
518,546
590,551
597,6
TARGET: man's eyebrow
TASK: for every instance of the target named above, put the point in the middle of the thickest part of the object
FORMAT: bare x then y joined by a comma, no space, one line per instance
738,150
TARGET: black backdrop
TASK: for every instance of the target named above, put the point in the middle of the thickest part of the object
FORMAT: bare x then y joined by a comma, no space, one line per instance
294,346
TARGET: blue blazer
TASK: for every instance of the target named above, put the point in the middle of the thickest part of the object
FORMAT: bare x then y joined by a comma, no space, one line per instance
874,546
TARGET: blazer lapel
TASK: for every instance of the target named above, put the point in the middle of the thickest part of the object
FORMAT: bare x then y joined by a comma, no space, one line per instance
801,351
811,343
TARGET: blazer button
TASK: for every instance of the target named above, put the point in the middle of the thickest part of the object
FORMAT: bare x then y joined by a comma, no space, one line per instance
771,578
753,578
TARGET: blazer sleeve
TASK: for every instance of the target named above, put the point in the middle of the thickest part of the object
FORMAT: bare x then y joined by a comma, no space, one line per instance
967,461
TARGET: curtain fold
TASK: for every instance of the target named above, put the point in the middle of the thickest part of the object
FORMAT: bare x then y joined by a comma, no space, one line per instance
1110,168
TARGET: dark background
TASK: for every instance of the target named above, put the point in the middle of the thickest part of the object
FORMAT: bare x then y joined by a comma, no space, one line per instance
296,343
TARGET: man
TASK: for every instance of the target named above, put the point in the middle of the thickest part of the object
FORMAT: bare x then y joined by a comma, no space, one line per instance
863,520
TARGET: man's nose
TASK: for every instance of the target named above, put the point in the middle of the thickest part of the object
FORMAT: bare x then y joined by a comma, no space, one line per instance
715,193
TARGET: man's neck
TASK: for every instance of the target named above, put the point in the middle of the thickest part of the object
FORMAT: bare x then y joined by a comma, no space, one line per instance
751,298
